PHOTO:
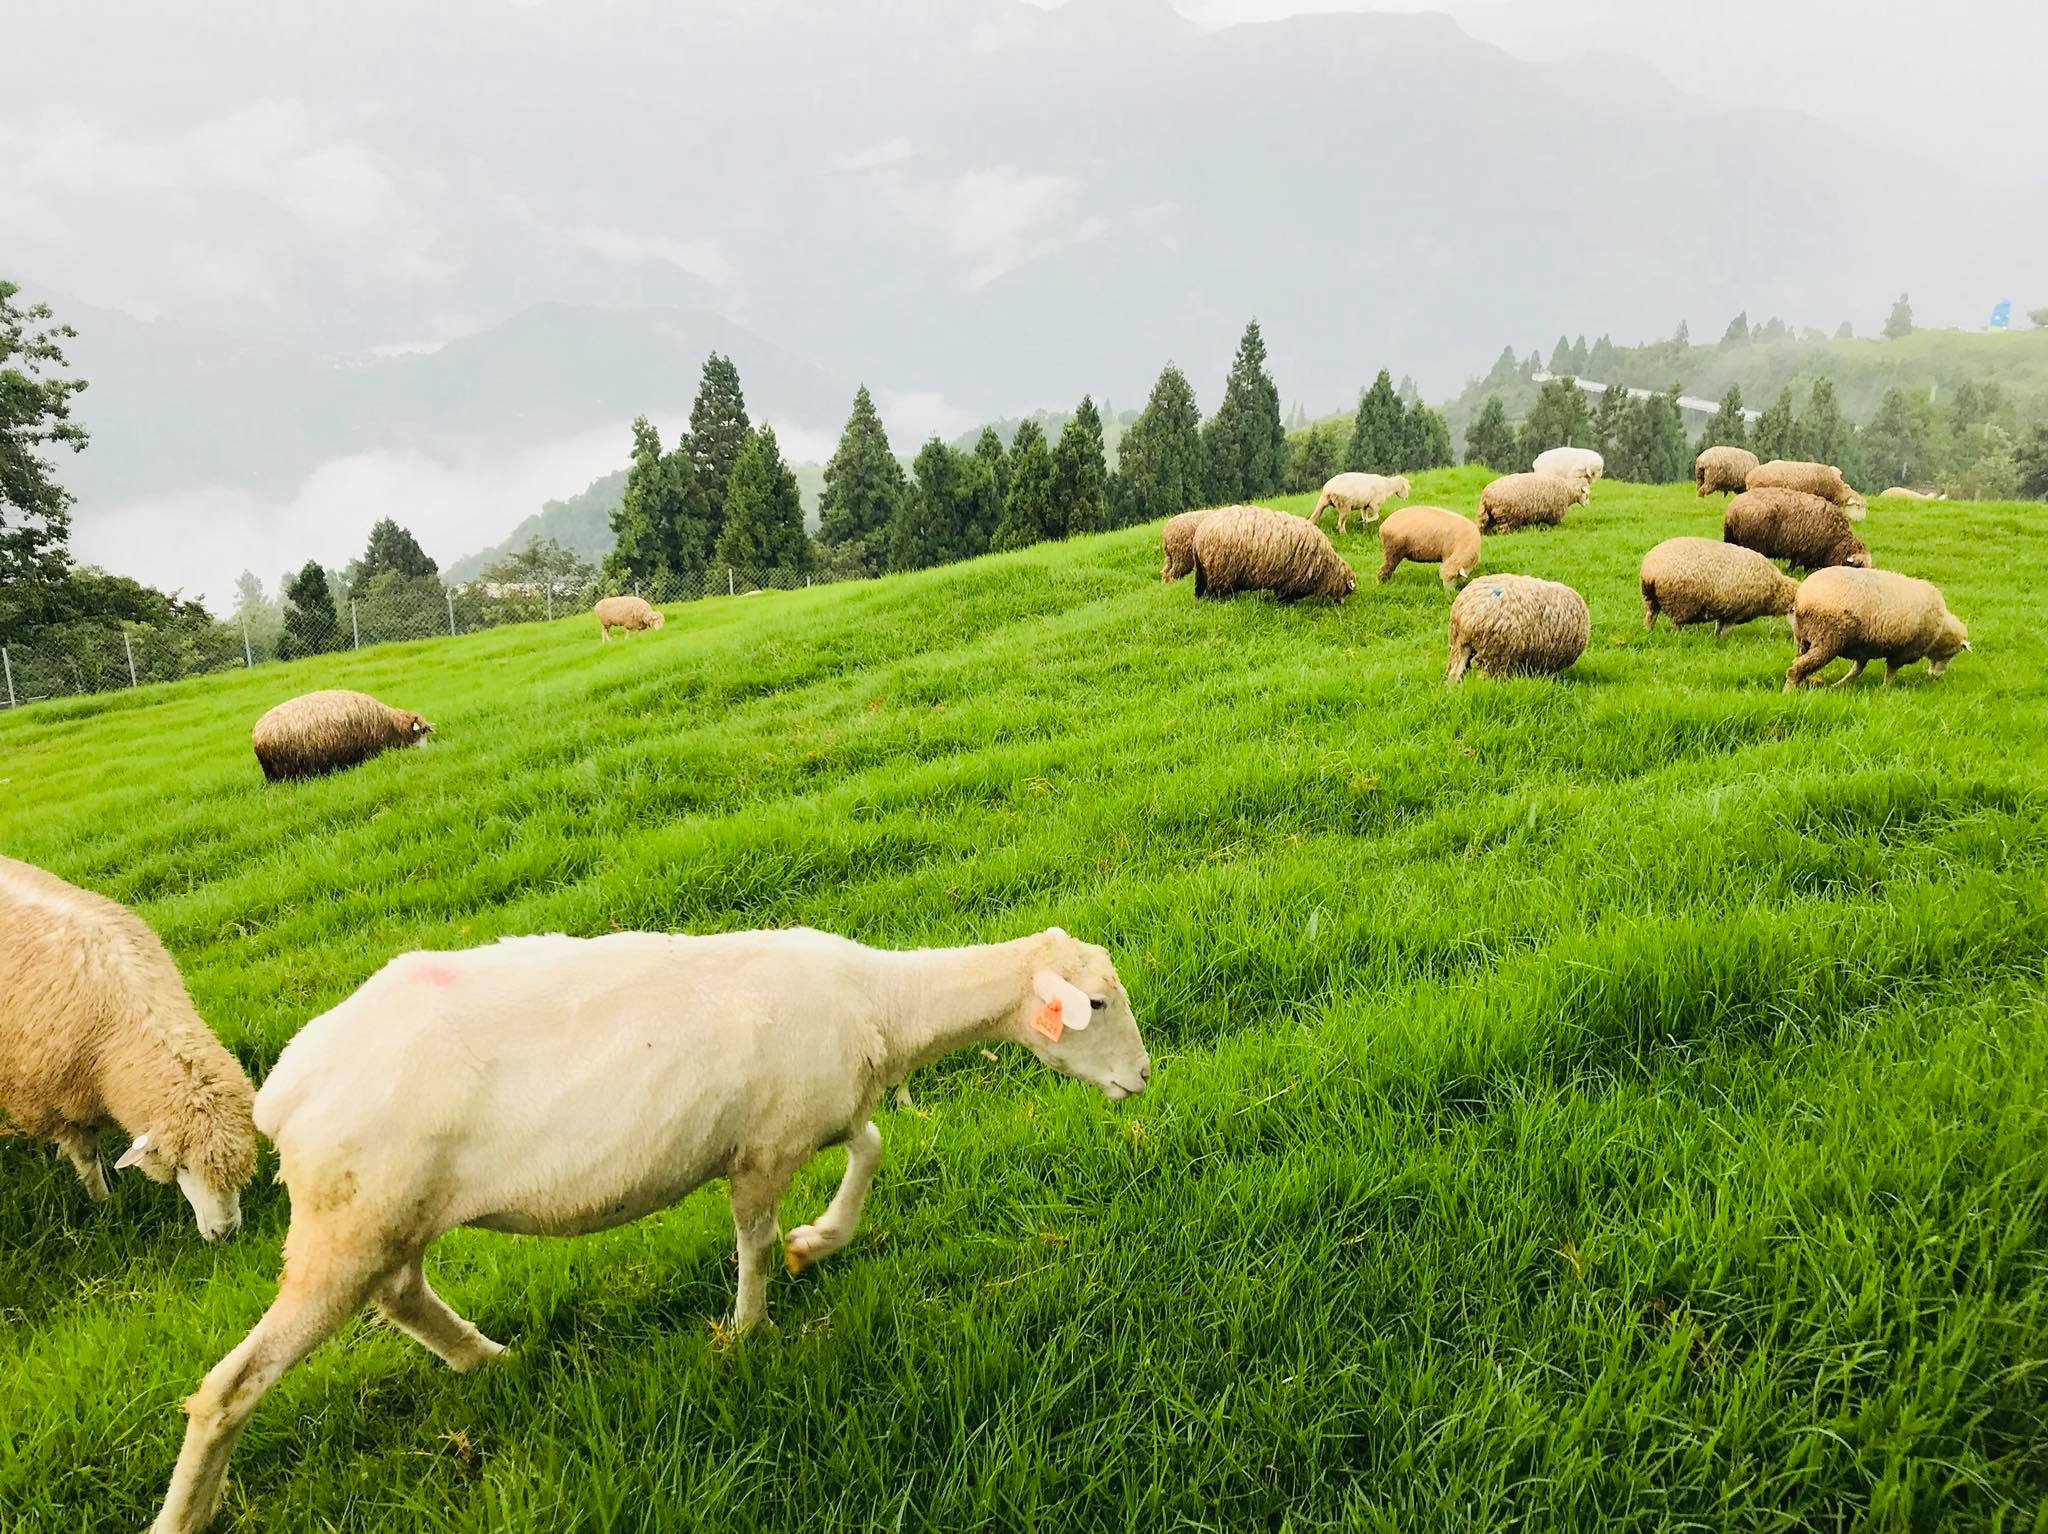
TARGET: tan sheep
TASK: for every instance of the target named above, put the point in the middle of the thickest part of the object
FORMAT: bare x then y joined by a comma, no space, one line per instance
1821,479
1365,493
1177,541
1250,548
96,1028
1901,493
1510,625
625,613
1697,580
1527,500
1580,465
1802,529
325,731
1870,615
1430,533
1722,470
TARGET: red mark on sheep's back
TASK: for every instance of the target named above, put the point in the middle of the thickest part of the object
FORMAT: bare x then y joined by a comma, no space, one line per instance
435,974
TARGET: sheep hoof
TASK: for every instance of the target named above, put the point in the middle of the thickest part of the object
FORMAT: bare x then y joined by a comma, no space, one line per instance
806,1245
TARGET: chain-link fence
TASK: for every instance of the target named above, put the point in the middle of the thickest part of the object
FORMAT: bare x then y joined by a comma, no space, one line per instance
83,658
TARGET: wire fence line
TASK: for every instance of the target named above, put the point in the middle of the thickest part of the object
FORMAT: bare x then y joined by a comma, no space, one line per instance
101,657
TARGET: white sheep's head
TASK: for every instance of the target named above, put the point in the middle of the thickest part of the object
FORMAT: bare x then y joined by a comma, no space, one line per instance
657,620
217,1211
1582,491
1078,1020
1400,484
1952,639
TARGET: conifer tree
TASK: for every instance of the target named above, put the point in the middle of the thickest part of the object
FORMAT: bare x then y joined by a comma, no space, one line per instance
310,624
1823,432
1490,440
1600,364
1899,323
1776,434
718,432
1376,433
1609,418
764,514
863,483
929,526
1080,478
1159,462
1247,446
1726,427
1579,358
391,548
1560,417
1737,333
1028,512
1561,356
660,526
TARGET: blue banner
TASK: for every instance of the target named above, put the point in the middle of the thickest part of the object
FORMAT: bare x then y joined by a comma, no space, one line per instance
2001,314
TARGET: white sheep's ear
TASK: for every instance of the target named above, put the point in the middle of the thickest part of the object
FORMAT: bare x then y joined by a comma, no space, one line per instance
1055,931
132,1156
1062,995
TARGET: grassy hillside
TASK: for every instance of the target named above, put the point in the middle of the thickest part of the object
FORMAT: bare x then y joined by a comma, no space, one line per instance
1614,1101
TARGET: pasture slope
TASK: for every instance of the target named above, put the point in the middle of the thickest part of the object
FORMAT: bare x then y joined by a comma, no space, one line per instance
1618,1101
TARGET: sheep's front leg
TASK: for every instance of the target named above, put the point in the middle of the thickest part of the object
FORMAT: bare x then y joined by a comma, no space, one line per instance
754,1200
82,1146
807,1243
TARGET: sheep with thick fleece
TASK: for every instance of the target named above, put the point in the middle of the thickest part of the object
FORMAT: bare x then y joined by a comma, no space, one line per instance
559,1085
1821,479
1870,615
1510,625
325,731
1528,500
96,1028
1698,580
1902,493
1252,548
1177,541
1722,471
1802,529
627,613
1576,465
1354,491
1430,533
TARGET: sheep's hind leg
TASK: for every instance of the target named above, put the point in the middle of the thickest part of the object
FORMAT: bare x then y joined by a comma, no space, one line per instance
807,1243
754,1198
408,1302
1854,672
82,1147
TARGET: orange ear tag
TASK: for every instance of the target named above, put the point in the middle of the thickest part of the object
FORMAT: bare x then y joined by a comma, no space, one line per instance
1047,1020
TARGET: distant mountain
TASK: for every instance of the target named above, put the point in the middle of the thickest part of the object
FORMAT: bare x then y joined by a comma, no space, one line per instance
581,524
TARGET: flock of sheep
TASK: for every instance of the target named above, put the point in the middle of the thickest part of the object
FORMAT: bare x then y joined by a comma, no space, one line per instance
1516,624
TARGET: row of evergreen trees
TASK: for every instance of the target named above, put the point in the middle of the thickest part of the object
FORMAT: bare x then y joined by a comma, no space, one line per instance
1643,440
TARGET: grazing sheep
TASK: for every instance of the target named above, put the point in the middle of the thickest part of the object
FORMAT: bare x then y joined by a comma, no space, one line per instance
1509,625
1177,542
1249,548
1696,580
1578,465
325,731
558,1085
1365,493
96,1028
1722,469
1901,493
625,613
1526,500
1821,479
1870,615
1803,529
1430,532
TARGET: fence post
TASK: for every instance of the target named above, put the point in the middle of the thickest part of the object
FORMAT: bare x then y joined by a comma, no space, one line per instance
551,604
807,582
248,655
355,627
728,580
449,593
7,664
129,645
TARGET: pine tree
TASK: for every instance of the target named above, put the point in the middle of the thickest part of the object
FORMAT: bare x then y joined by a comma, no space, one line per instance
1610,417
1247,444
1845,331
978,506
1899,323
1600,365
764,514
988,447
659,525
391,548
929,527
1737,333
1506,373
1080,478
1028,513
249,593
1314,455
1406,392
718,432
1489,440
310,626
1726,428
1532,367
1425,440
1777,433
1682,337
1559,418
1376,429
1650,449
1823,432
1579,357
863,483
1159,463
1895,440
1561,355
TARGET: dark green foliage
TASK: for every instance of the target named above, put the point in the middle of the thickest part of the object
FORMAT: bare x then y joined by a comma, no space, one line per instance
1823,433
1610,415
1652,446
1682,337
764,515
719,429
1899,323
1726,427
1490,440
542,563
932,519
863,485
988,448
1080,478
1506,371
1314,454
1737,334
1375,445
1845,331
35,415
310,623
2031,458
1776,434
660,527
1897,442
1160,467
1246,446
1580,357
1425,440
1561,355
1600,364
391,549
1029,514
1561,417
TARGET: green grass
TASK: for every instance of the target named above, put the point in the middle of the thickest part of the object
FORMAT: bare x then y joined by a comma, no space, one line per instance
1610,1101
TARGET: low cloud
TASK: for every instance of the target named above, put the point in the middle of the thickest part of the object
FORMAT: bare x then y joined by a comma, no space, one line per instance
700,258
888,152
997,218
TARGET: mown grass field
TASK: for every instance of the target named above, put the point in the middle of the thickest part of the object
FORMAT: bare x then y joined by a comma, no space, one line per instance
1617,1101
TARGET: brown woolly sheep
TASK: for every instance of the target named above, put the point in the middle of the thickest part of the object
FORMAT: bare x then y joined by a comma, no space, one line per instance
1430,532
625,613
1821,479
1250,548
96,1028
325,731
1802,529
1177,542
1354,491
1870,615
1527,500
1509,625
1696,580
1722,470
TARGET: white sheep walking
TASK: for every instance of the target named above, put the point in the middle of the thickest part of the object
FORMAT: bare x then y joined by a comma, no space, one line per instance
558,1085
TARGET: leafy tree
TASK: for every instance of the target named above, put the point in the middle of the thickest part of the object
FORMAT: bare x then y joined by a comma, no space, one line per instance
930,526
35,413
1987,466
1777,432
1652,448
764,514
1845,331
1896,439
863,483
1559,418
1080,479
1737,333
1314,454
1823,433
1159,465
1966,408
310,624
2030,461
1490,440
1425,440
1600,362
719,429
392,548
1726,427
1029,515
1376,429
543,564
1899,323
659,526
